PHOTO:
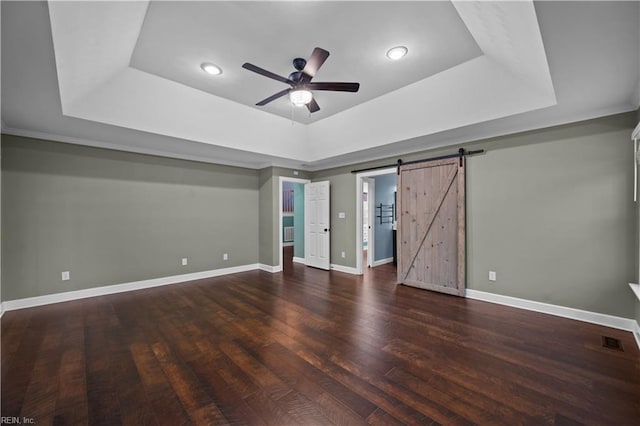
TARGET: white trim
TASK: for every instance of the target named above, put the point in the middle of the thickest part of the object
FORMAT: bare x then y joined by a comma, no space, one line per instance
382,261
636,132
287,244
636,334
371,203
282,179
359,177
560,311
298,260
635,170
345,269
636,289
30,302
269,268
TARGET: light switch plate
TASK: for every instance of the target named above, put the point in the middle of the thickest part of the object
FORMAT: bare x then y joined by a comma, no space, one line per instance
341,215
492,275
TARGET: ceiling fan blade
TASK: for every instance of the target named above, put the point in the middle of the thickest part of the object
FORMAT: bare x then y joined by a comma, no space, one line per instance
266,73
313,106
314,63
273,97
336,87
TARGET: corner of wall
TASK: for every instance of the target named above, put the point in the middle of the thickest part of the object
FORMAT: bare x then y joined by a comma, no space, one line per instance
1,305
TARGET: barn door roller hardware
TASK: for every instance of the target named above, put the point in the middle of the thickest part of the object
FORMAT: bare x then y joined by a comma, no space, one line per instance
460,154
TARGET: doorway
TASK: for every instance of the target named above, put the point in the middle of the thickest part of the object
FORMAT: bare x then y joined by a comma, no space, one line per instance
367,204
291,220
381,187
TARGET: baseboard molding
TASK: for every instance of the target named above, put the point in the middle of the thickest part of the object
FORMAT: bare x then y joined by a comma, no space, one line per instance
345,269
31,302
382,262
298,260
269,268
287,244
636,334
560,311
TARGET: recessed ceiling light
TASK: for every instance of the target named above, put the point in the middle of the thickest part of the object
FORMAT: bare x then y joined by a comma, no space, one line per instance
397,52
211,69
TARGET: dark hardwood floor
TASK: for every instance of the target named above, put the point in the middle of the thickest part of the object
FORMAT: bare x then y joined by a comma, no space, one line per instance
310,347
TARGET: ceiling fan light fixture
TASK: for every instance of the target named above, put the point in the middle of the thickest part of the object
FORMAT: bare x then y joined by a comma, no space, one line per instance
397,52
211,68
300,97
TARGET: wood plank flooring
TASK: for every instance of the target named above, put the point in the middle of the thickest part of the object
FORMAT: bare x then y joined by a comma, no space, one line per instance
308,347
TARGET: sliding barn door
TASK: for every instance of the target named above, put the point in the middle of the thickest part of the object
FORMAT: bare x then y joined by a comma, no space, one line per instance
431,227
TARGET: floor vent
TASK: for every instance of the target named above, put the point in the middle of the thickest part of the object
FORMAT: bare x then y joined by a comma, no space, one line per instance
612,343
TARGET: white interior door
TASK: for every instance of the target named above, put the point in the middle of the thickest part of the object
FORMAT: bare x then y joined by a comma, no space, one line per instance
316,225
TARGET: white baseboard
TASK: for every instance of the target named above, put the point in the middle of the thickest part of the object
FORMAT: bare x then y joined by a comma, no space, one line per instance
298,260
287,244
30,302
269,268
560,311
382,262
636,334
345,269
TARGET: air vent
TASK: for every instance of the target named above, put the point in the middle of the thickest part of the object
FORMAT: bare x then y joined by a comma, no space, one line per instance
612,343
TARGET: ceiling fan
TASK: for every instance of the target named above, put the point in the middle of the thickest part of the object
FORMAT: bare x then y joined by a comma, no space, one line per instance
300,92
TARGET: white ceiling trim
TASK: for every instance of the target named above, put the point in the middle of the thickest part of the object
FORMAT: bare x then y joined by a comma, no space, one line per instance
512,77
93,42
142,101
477,91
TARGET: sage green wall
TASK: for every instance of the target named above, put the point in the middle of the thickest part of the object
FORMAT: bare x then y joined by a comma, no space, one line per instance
267,223
1,309
270,213
637,280
111,217
550,211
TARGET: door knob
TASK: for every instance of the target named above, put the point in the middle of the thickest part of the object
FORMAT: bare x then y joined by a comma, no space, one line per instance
326,229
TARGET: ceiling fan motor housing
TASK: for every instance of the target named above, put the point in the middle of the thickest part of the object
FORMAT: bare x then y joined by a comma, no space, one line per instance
299,63
295,76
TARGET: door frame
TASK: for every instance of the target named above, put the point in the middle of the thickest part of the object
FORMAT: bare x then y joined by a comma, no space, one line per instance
281,180
359,180
371,199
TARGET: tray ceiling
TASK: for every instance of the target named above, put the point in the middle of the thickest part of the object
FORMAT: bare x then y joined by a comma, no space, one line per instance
126,75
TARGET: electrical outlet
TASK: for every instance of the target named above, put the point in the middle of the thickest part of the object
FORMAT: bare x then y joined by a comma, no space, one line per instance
492,275
184,261
343,254
65,276
341,215
225,256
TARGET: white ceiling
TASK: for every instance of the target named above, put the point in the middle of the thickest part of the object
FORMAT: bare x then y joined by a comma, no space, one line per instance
176,38
126,75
